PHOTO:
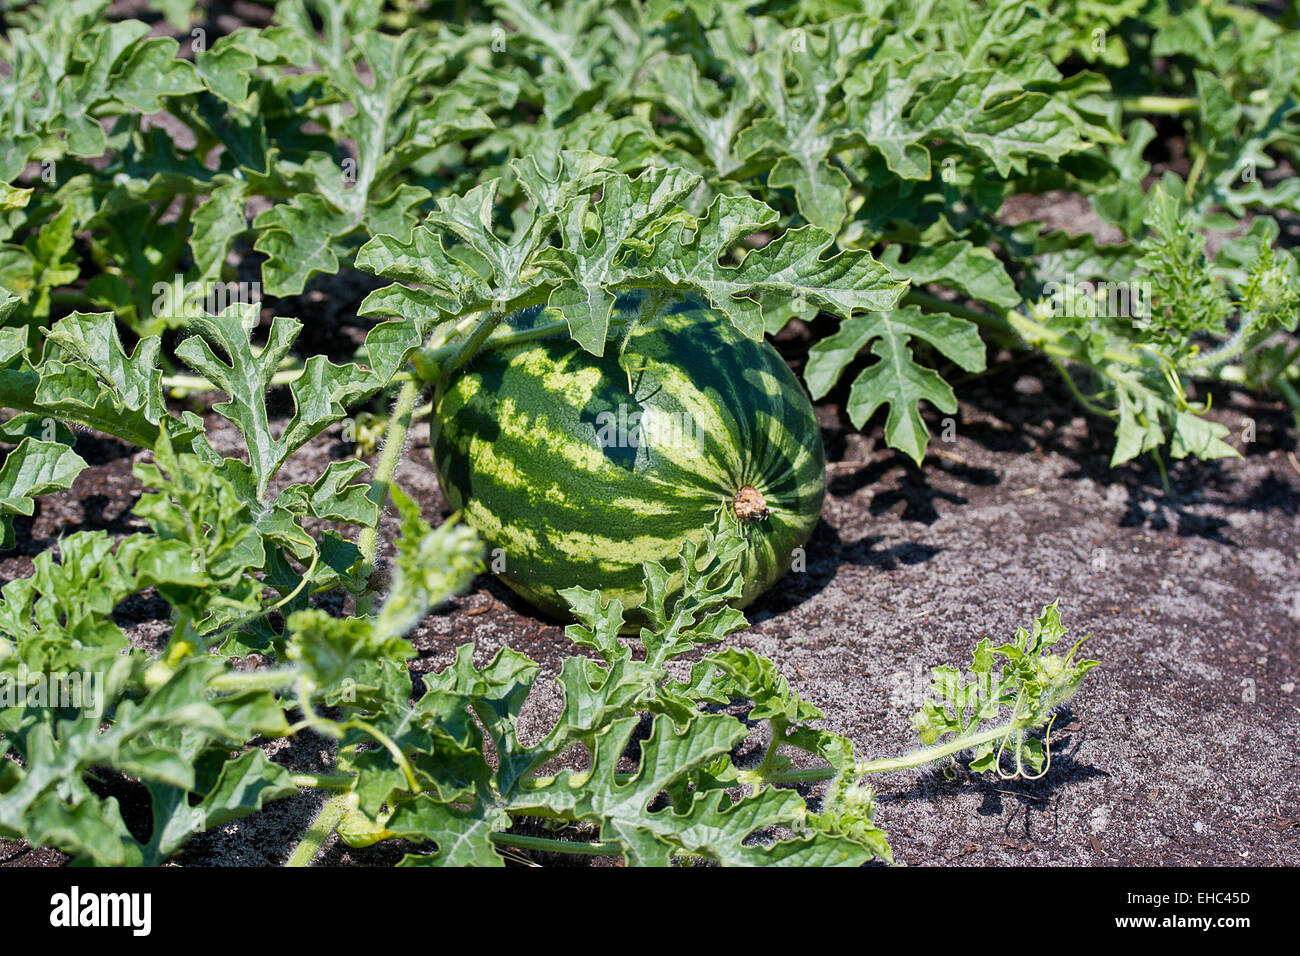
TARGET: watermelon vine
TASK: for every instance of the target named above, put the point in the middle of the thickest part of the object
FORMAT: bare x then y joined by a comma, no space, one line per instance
529,180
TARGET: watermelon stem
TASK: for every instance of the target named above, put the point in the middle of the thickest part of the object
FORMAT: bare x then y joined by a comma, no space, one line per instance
457,355
466,350
394,444
331,814
549,845
910,761
749,505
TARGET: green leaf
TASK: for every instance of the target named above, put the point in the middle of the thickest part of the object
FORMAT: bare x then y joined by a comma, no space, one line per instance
300,239
155,739
33,468
431,567
1030,685
716,118
799,77
218,222
712,823
43,263
688,257
243,786
321,394
959,265
463,837
896,379
1194,435
593,267
388,122
12,198
1186,299
151,72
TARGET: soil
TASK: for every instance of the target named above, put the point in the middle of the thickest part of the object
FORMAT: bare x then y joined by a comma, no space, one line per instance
1180,749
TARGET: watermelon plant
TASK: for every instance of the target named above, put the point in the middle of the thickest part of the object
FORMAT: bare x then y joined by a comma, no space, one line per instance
569,227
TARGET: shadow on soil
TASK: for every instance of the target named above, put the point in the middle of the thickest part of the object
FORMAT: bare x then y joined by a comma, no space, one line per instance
912,487
1036,800
827,553
1030,410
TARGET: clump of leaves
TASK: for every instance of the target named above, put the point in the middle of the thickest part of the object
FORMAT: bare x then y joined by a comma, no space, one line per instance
446,769
686,795
1030,683
776,160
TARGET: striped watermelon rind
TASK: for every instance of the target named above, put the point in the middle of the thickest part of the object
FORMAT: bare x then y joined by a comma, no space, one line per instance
540,444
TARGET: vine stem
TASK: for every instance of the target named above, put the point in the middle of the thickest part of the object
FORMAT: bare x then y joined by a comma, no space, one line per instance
458,353
1240,341
1292,398
917,758
399,425
994,323
464,350
1089,406
1018,325
331,814
324,781
1164,105
394,751
197,383
547,845
1289,360
911,761
272,679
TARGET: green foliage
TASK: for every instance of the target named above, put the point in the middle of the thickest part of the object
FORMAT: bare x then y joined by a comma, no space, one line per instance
462,804
776,160
445,769
33,468
896,380
1030,684
679,800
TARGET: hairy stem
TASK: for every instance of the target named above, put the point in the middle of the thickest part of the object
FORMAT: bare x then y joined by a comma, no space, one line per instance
547,845
1292,398
324,781
327,820
1089,406
464,352
1016,325
917,758
999,324
197,383
394,444
910,761
1163,105
1243,340
234,682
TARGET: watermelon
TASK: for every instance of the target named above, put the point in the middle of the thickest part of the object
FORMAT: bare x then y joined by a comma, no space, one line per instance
575,469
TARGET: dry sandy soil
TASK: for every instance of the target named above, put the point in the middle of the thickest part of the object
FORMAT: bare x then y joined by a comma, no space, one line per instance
1180,749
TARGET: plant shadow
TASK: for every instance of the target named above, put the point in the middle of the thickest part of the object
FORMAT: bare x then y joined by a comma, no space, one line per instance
826,552
1030,410
1032,803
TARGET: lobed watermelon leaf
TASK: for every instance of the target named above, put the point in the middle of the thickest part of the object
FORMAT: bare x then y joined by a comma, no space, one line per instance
895,379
